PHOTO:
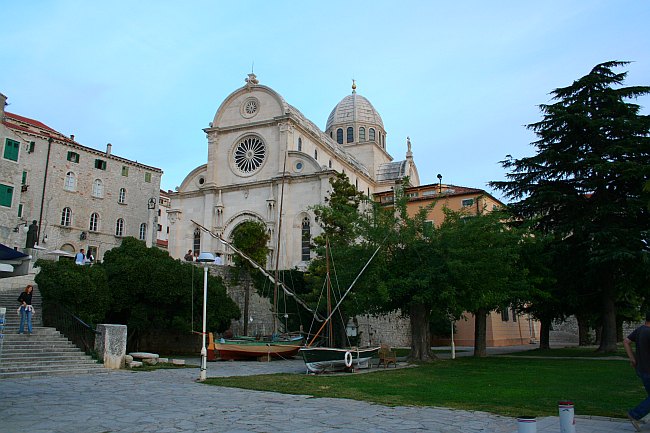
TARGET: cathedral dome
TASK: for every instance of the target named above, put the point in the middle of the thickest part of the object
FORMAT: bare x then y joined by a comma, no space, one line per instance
354,108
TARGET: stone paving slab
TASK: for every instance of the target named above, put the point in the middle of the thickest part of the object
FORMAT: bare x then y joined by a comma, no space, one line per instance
172,401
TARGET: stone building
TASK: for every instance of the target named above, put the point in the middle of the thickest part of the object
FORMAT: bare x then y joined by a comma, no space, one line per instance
79,197
265,159
162,229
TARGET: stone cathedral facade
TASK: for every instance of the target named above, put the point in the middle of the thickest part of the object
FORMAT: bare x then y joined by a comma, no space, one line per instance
266,160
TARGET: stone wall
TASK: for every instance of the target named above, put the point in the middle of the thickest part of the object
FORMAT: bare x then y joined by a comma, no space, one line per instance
392,329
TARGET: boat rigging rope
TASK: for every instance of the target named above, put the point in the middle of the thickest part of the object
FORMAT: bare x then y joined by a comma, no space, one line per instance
262,270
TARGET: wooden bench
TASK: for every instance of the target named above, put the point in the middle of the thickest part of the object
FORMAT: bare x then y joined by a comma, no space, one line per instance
387,356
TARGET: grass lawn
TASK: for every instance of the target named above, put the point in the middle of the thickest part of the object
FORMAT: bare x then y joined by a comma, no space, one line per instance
578,352
506,386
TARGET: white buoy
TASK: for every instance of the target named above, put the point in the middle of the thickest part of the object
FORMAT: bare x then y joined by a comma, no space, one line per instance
526,424
567,417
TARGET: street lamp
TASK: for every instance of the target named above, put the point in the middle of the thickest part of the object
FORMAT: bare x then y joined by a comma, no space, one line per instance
204,258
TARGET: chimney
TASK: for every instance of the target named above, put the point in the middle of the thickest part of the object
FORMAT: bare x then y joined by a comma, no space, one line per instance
108,149
3,102
72,137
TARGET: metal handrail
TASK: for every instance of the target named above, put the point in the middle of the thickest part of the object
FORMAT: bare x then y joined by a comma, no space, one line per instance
70,325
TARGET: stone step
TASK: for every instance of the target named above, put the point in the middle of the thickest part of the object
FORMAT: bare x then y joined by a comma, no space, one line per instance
29,364
27,357
37,351
54,372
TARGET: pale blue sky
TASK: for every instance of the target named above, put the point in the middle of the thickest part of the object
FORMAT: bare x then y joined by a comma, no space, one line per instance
460,79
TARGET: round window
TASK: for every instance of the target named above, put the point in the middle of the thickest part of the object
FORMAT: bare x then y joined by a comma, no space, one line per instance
249,154
250,107
298,166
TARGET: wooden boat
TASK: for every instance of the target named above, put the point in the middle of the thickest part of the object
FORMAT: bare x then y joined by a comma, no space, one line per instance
247,348
327,359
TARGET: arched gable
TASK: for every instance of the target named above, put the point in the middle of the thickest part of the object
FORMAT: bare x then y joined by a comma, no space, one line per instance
192,181
249,104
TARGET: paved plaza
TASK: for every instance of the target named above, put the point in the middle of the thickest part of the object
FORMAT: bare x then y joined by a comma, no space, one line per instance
166,401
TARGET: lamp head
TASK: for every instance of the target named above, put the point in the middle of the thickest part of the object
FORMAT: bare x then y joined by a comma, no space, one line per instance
206,257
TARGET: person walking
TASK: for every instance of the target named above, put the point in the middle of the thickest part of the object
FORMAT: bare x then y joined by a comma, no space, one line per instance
640,361
26,310
80,257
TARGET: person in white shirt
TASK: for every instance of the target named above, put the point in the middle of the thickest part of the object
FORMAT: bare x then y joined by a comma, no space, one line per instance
80,257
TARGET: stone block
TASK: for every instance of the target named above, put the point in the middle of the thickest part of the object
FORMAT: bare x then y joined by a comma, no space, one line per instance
128,358
133,364
178,361
163,360
144,355
110,345
150,361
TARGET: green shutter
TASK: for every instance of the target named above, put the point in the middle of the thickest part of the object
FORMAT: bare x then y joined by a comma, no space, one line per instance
24,181
6,194
11,149
20,210
147,177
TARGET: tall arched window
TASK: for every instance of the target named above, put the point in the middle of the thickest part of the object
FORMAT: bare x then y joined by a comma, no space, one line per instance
339,136
350,134
362,134
119,227
305,240
299,144
94,222
371,134
122,196
197,240
98,188
66,217
70,182
143,231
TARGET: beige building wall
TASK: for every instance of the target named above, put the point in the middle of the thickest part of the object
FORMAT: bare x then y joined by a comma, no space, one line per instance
60,173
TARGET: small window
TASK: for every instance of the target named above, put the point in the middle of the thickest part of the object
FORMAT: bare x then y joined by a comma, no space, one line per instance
504,315
94,222
12,147
100,164
371,134
70,183
350,134
339,136
330,164
125,170
197,240
147,177
119,227
315,153
66,217
362,134
73,157
20,210
305,240
468,202
167,230
6,195
159,227
514,315
32,145
143,231
299,144
98,188
24,179
122,196
159,212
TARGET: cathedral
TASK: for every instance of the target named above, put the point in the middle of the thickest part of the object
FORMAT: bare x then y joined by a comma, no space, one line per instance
267,162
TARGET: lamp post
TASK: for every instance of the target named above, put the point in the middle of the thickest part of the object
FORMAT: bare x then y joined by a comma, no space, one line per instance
204,258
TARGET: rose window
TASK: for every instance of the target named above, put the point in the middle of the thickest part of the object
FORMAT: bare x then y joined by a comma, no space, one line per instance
249,154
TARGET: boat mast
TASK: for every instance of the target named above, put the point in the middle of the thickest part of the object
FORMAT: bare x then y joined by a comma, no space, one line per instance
330,335
277,250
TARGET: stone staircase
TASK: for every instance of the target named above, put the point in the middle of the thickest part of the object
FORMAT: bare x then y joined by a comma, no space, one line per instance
46,351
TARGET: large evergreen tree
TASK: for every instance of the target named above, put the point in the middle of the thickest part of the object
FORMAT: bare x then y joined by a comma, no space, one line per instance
585,182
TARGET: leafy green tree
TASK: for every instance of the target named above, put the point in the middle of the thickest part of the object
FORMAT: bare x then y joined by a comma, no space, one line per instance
585,182
251,238
152,291
482,264
83,290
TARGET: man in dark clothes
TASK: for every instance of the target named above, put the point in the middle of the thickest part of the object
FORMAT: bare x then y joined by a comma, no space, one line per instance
641,363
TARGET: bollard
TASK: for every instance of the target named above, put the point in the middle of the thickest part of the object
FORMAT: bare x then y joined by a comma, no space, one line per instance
567,418
526,424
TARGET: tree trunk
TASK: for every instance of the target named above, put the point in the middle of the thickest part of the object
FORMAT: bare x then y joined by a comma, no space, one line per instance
545,333
583,331
246,301
420,333
608,336
480,332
